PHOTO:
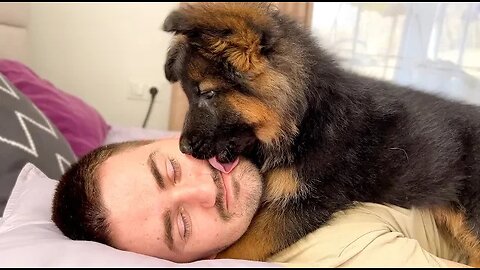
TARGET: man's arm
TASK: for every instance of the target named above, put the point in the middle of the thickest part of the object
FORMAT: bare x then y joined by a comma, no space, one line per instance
373,235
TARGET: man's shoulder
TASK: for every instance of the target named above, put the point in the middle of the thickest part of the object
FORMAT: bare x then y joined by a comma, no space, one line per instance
372,234
344,236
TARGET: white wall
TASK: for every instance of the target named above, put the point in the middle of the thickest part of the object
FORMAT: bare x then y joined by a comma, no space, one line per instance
95,51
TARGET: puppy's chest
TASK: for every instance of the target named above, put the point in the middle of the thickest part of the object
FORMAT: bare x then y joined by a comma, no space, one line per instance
282,184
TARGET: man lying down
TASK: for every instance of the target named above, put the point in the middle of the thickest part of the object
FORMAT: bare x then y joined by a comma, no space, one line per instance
149,198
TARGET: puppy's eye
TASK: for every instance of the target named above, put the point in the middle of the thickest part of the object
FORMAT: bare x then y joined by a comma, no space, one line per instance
209,94
225,32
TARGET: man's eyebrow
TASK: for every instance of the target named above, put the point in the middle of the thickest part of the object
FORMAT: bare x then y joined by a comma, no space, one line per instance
167,221
153,168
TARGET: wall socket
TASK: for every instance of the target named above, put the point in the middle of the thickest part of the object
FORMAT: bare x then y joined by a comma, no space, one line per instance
141,90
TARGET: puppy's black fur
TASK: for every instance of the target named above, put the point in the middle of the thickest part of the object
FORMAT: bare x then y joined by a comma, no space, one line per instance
259,85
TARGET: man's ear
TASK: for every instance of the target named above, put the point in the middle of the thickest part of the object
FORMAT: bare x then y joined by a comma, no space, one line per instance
213,256
176,59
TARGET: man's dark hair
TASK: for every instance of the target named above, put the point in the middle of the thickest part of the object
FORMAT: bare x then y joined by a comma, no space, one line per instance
77,208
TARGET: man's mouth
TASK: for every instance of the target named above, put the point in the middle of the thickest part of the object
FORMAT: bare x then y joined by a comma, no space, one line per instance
224,169
225,191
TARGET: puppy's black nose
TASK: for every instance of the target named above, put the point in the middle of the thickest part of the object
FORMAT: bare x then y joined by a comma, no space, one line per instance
185,146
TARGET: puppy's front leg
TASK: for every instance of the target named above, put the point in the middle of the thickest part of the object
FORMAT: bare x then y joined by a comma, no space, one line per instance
261,240
273,228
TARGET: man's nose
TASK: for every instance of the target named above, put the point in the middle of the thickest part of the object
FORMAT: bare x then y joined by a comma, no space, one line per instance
201,192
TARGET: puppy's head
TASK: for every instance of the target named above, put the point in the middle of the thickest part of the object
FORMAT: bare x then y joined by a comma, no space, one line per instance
242,70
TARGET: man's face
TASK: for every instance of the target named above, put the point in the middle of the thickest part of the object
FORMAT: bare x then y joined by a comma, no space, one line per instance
169,205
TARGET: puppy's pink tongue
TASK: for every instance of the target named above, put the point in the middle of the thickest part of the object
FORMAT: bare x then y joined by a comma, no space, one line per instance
223,167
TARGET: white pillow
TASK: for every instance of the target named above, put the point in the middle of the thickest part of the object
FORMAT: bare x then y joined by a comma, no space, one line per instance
28,237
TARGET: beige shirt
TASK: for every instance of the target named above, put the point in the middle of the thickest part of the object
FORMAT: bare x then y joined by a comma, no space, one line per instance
373,235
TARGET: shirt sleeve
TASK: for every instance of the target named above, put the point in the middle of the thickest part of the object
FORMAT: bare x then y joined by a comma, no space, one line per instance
372,235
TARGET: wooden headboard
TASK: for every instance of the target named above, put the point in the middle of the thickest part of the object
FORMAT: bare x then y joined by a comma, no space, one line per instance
14,18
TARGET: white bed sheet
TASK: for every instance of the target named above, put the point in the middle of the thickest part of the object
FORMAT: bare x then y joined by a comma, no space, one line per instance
121,134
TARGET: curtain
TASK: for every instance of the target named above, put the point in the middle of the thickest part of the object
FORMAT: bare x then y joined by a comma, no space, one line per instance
301,11
434,47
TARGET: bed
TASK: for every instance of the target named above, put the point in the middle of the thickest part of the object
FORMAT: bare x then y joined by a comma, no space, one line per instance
44,130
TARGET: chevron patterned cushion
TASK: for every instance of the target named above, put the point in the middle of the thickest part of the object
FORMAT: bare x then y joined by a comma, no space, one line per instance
27,136
83,126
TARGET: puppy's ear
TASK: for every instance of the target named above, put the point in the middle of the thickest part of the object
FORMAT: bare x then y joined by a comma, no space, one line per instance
178,23
271,33
268,39
176,59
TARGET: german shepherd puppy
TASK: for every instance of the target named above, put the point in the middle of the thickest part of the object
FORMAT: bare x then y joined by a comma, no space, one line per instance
324,138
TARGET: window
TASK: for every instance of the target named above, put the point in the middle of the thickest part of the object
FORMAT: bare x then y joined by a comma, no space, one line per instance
431,46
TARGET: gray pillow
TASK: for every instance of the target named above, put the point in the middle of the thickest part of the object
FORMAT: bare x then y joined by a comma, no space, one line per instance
26,135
